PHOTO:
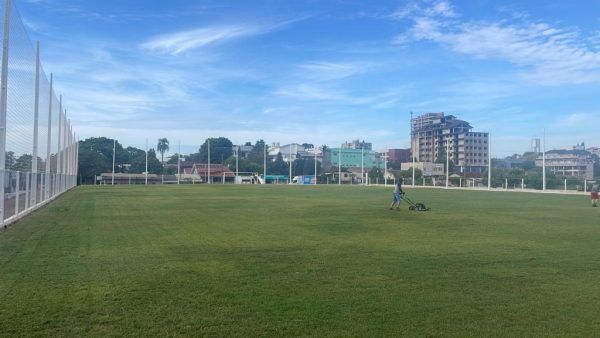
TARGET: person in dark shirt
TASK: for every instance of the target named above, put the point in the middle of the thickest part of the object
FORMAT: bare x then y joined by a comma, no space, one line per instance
594,195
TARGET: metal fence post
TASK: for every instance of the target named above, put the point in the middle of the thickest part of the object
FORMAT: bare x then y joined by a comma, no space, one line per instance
65,154
42,186
36,113
58,154
27,189
49,145
17,193
3,106
77,159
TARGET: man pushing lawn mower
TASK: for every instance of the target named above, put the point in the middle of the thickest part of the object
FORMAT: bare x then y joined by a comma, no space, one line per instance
400,195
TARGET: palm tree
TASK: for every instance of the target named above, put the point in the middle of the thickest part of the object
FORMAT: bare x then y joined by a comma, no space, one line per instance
162,147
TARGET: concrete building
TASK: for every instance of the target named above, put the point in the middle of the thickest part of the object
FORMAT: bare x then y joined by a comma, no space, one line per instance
296,151
576,163
399,155
287,151
243,150
594,151
434,134
357,144
428,168
509,162
352,158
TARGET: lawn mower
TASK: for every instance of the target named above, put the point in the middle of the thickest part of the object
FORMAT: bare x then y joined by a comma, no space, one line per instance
415,206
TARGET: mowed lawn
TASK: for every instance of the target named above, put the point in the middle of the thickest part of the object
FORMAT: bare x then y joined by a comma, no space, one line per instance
292,260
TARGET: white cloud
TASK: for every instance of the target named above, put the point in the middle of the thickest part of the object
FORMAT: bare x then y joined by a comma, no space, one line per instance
324,71
179,42
441,8
579,119
543,54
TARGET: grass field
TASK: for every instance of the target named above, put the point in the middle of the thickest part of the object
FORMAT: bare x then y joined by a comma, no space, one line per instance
281,260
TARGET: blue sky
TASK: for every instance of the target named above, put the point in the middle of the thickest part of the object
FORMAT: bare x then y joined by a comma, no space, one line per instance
323,71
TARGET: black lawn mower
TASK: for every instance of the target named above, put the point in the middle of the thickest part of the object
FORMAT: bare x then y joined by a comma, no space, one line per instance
416,206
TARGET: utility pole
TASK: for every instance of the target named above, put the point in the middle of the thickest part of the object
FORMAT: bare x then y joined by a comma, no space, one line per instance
146,162
412,148
179,164
385,157
113,164
362,164
340,166
315,149
265,163
544,162
208,169
489,161
447,162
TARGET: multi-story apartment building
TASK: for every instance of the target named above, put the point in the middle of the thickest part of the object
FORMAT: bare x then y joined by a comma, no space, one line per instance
399,155
435,134
577,163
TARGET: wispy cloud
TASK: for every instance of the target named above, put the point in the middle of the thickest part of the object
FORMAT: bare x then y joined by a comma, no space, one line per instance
544,54
179,42
324,71
439,8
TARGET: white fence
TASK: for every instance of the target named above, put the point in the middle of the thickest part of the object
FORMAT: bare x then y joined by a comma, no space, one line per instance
38,149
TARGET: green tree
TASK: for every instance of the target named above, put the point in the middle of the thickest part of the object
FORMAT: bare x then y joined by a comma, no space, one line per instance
279,166
162,147
375,175
305,166
174,158
133,153
407,175
221,149
244,165
95,157
10,160
138,163
23,163
257,153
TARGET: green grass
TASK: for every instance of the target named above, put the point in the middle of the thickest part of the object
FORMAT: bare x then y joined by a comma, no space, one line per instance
281,260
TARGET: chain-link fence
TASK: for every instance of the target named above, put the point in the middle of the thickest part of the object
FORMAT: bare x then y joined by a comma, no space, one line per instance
38,151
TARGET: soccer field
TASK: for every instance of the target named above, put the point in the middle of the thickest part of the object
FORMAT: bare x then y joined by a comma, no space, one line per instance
293,260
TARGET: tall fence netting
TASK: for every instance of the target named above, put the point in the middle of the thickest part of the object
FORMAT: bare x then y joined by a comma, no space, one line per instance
36,133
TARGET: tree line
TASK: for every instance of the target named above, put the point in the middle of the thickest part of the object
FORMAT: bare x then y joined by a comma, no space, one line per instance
96,153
